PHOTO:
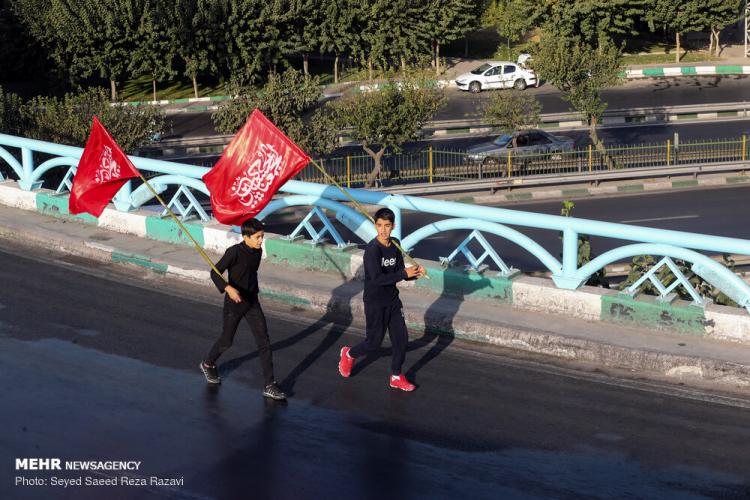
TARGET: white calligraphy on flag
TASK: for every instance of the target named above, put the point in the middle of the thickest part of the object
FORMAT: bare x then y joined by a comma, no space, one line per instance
252,185
108,168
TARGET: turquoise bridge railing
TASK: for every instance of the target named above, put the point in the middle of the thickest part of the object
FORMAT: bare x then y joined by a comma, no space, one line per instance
21,156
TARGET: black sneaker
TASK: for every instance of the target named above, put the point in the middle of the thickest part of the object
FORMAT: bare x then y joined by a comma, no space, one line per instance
211,373
272,391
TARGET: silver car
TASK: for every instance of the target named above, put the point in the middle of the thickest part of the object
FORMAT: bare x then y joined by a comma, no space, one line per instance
528,142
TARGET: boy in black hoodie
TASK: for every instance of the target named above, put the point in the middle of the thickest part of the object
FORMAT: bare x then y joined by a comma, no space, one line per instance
384,267
241,301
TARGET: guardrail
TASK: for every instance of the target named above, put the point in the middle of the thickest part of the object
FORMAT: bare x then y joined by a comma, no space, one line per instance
213,145
434,165
30,161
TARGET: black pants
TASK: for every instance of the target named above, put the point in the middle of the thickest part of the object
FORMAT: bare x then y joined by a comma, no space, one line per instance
253,314
380,318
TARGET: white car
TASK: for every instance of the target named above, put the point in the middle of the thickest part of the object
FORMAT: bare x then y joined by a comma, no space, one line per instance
498,75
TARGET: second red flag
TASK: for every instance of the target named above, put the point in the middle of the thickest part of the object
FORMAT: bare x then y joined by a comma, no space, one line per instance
258,161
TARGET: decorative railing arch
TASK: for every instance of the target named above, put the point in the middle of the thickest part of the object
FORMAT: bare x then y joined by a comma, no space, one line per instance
565,274
501,230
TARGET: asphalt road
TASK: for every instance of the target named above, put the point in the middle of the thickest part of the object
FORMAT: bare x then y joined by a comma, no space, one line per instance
720,212
636,93
100,364
645,93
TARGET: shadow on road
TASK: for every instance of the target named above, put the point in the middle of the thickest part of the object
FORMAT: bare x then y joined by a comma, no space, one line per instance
337,319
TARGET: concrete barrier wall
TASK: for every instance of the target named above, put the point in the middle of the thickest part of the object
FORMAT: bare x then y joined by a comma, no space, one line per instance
523,292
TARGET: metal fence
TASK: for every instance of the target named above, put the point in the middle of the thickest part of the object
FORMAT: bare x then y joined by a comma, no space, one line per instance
435,165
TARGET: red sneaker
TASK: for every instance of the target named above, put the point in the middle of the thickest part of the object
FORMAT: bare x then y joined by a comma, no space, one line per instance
400,382
346,362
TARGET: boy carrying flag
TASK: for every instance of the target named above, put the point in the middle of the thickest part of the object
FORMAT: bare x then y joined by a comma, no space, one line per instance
384,267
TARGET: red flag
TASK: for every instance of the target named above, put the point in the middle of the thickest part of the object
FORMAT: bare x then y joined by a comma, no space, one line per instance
258,161
102,171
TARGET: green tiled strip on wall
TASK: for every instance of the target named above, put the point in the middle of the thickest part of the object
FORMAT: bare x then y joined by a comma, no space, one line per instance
575,192
456,283
519,196
284,297
688,70
139,260
726,70
301,254
164,229
57,206
737,179
653,72
630,188
684,184
451,332
652,314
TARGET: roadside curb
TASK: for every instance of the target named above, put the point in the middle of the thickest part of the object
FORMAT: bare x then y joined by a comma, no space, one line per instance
519,193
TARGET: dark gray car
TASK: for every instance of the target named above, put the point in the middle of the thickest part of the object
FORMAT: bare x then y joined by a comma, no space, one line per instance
528,142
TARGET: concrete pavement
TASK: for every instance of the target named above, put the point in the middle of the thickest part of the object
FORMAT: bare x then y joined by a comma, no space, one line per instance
684,358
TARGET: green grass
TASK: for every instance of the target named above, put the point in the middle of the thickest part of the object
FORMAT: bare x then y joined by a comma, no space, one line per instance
690,57
139,89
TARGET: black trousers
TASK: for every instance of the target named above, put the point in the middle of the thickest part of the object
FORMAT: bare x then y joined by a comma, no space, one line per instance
380,318
253,314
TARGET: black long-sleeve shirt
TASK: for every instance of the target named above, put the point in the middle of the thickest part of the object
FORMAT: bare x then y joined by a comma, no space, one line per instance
384,267
242,262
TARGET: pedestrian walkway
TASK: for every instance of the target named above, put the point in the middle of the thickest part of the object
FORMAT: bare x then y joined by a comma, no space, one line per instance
680,357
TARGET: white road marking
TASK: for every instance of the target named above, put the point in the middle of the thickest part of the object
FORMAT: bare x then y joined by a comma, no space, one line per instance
660,218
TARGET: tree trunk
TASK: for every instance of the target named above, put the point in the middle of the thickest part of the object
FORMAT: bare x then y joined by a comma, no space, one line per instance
437,59
369,68
336,69
466,47
305,64
372,176
599,144
433,65
717,43
113,87
195,86
153,83
677,52
403,65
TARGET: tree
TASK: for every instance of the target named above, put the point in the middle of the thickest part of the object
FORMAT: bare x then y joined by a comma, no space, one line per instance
21,55
155,44
511,18
594,21
715,16
10,113
513,110
85,36
580,72
337,31
67,120
449,20
391,34
305,29
678,16
322,133
284,99
388,118
198,24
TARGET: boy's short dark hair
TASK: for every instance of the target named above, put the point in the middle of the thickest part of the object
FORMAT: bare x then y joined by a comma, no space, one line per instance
252,226
385,214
